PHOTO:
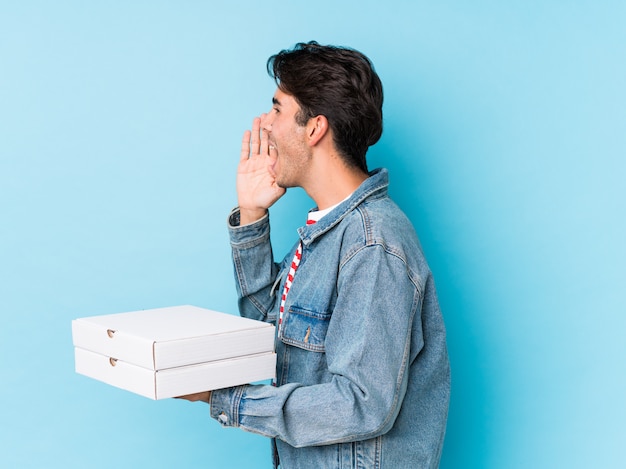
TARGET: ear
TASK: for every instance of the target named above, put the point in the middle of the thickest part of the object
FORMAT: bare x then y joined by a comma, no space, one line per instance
316,128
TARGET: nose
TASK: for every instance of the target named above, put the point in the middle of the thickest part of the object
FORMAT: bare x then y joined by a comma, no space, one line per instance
266,122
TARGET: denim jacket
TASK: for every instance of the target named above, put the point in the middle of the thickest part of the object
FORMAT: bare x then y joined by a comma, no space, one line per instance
363,378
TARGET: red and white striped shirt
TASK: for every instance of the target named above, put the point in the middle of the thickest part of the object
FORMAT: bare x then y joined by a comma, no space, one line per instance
313,218
292,271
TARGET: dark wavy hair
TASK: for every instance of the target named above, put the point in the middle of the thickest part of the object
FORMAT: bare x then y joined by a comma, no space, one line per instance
338,83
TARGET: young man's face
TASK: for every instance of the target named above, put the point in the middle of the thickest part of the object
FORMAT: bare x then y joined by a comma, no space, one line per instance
289,139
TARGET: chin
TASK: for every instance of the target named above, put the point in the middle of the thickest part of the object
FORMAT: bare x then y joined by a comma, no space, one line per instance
285,184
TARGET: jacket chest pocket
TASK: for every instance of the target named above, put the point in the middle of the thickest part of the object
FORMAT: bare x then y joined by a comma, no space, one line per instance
305,329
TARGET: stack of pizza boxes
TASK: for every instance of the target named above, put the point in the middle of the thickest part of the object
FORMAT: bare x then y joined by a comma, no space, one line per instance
175,351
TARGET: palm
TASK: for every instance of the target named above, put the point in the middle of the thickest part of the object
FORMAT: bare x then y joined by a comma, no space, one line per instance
256,185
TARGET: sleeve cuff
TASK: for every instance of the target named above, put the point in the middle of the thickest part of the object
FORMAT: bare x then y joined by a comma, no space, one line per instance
247,235
225,405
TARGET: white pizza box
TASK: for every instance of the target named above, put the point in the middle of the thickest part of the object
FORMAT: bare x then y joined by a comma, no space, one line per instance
179,381
158,339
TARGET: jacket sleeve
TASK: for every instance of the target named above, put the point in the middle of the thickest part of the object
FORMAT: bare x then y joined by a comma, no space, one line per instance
372,338
255,269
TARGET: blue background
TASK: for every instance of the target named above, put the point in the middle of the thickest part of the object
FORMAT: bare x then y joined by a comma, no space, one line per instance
505,137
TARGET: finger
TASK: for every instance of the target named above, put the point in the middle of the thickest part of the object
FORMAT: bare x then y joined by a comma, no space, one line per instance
270,170
255,142
245,146
264,150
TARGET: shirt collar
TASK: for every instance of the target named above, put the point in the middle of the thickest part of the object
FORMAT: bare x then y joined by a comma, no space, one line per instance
316,215
374,186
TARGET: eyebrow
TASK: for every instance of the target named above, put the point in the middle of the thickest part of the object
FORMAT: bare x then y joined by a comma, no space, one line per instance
276,102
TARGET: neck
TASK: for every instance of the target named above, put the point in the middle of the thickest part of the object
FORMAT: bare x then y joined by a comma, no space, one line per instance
332,181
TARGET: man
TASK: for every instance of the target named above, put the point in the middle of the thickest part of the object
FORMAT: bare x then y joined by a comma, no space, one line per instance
362,378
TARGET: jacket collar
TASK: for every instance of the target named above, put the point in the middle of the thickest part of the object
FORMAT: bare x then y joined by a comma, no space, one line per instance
375,185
